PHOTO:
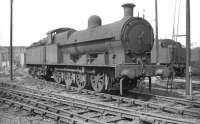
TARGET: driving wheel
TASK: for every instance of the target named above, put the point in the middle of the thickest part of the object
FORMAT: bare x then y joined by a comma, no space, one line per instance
57,77
98,82
68,79
81,81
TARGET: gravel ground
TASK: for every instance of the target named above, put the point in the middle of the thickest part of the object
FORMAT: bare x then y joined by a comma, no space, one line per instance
13,116
159,87
10,115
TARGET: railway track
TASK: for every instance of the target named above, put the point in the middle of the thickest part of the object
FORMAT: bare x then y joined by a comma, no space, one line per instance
179,106
126,111
188,103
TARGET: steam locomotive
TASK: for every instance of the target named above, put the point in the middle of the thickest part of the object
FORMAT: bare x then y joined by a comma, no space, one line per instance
103,57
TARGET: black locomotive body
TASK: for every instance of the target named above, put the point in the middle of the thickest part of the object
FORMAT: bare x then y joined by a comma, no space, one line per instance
100,56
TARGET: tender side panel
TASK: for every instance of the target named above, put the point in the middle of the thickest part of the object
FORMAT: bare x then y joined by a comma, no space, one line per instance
164,56
52,54
35,55
180,55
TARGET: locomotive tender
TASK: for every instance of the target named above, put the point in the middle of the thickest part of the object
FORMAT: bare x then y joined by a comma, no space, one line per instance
105,57
170,52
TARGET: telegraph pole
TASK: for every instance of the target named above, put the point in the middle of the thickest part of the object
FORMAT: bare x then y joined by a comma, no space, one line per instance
188,51
11,38
156,26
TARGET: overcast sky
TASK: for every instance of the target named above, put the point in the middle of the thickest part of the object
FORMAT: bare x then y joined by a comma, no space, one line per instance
33,18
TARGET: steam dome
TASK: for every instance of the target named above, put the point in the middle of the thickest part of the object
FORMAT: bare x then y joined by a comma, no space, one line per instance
94,21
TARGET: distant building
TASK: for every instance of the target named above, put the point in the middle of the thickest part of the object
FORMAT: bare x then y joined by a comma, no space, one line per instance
18,56
195,54
195,61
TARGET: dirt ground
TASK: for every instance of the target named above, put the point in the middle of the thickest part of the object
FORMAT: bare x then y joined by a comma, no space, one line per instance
159,87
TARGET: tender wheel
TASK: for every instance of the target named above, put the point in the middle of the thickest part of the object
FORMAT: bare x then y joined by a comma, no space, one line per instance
141,83
98,82
57,77
68,79
30,71
33,72
81,81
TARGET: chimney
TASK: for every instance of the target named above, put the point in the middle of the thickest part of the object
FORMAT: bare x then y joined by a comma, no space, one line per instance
128,9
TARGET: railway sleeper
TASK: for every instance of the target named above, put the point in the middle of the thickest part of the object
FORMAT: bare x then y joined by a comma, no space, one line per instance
99,110
83,111
192,113
146,119
39,112
114,119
